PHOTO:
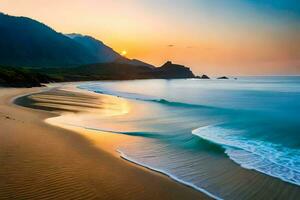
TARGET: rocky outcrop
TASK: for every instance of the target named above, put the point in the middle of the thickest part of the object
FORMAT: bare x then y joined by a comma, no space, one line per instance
170,70
203,77
223,77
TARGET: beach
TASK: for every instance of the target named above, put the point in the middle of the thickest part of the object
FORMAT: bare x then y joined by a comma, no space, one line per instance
63,141
42,161
150,100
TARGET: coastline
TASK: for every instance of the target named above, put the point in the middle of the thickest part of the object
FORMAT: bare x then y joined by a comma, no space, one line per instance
74,165
72,107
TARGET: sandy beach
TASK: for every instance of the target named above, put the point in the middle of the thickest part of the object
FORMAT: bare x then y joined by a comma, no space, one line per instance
46,152
41,161
150,100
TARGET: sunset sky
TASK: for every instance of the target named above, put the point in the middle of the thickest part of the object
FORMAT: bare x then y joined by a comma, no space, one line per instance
232,37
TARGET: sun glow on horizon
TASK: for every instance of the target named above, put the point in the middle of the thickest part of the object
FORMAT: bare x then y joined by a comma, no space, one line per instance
123,53
217,37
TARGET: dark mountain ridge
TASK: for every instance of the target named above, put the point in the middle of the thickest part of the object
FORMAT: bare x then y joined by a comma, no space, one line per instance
102,71
35,53
170,70
26,42
103,53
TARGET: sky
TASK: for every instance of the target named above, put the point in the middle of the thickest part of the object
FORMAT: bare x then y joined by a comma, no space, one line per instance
214,37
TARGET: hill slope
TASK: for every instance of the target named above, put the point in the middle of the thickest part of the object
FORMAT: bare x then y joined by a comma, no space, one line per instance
26,42
103,53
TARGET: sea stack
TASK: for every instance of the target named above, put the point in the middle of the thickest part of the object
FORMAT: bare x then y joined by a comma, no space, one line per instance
223,77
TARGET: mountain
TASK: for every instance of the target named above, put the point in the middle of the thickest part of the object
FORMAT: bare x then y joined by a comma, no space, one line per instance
102,71
134,62
34,53
125,71
103,53
140,63
29,43
26,42
170,70
117,71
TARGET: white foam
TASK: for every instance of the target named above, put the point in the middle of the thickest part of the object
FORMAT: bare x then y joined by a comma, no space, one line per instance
265,157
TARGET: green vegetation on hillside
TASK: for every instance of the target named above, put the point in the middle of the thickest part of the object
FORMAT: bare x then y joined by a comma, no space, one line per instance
21,77
29,77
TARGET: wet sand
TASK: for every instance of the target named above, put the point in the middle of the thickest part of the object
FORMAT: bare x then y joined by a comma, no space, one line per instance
41,161
44,157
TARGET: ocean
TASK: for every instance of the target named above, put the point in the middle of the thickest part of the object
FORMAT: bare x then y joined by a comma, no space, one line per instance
190,128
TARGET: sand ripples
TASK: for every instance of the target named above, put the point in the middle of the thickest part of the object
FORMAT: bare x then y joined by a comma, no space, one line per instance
38,161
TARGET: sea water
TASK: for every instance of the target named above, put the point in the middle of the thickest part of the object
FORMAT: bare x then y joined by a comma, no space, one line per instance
254,121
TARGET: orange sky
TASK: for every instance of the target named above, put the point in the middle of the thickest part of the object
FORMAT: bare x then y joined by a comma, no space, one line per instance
233,38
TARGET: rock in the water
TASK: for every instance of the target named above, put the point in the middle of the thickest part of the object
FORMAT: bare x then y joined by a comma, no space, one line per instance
204,77
170,70
223,77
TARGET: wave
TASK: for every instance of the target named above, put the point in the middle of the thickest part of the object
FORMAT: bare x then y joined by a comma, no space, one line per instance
140,134
141,97
265,157
150,135
174,177
130,159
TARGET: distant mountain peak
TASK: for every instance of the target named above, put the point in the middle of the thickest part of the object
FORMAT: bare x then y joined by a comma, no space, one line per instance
170,64
99,48
29,43
175,71
73,35
104,53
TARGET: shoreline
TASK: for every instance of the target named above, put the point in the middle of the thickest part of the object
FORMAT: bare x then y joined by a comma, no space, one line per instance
169,190
121,155
73,107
